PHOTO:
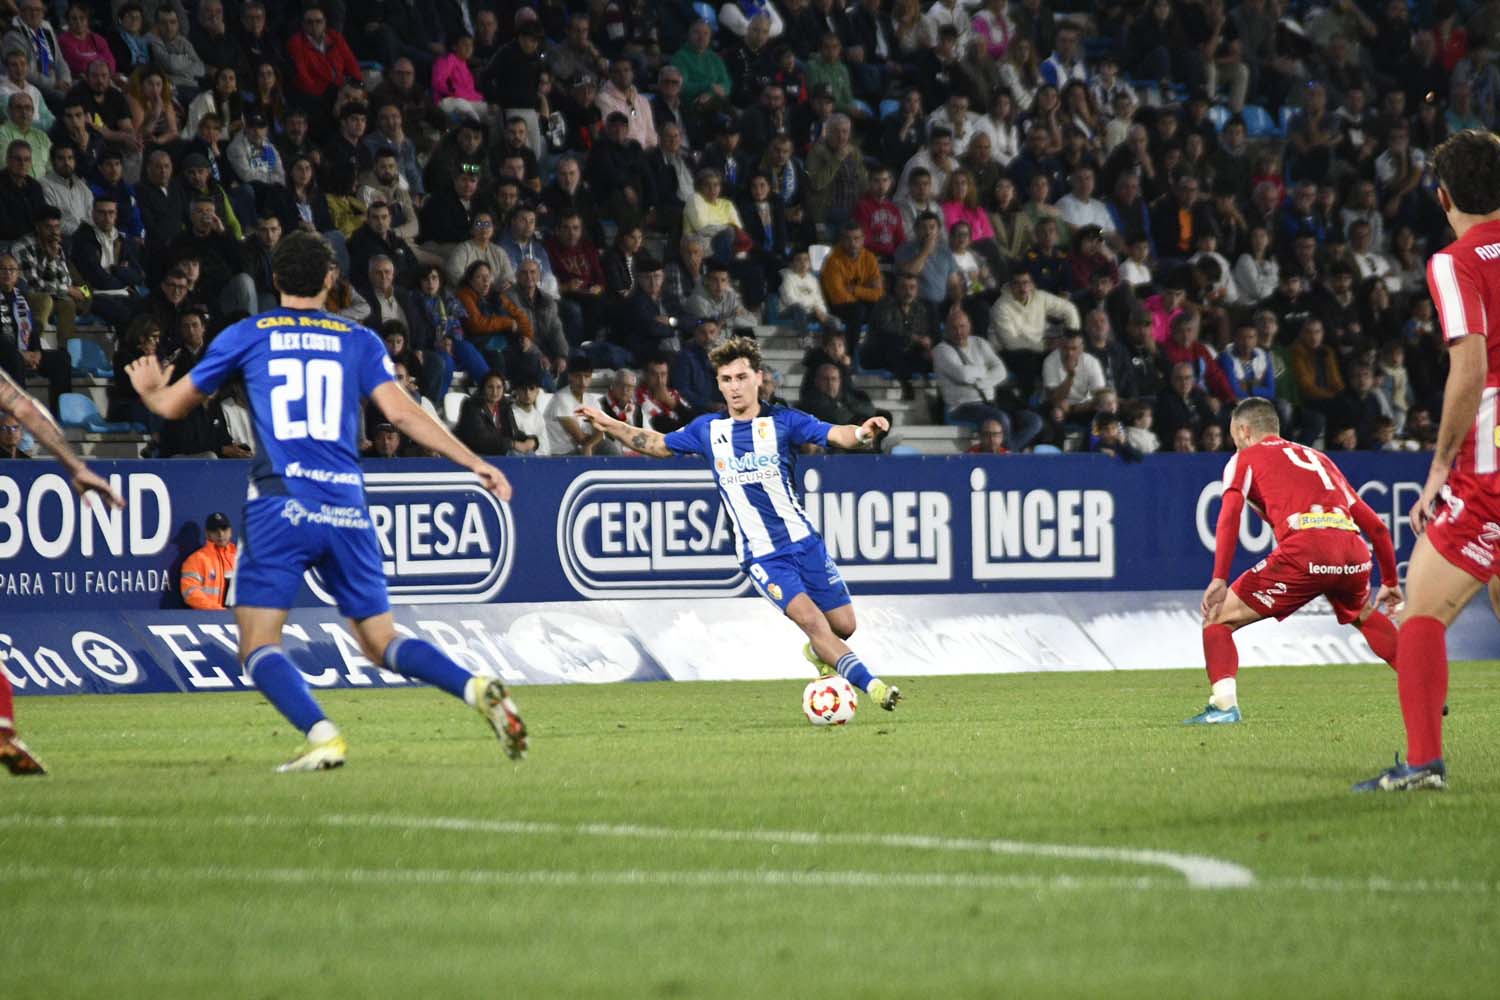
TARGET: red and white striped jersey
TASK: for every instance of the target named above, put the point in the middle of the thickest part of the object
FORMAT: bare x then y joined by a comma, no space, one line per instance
1464,279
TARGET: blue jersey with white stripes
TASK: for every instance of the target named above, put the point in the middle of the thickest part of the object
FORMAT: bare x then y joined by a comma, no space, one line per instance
307,373
752,461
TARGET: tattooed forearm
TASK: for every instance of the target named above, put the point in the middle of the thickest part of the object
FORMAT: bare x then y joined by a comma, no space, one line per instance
639,441
39,422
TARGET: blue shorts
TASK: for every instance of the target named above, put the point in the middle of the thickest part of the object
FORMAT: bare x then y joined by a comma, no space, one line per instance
805,568
284,537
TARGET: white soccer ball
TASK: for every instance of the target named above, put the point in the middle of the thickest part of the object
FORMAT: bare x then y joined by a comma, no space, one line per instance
829,701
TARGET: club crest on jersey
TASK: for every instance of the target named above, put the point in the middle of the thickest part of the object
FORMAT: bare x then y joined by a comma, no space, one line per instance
775,591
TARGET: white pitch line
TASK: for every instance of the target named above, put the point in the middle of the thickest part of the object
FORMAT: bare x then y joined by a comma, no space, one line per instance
1200,872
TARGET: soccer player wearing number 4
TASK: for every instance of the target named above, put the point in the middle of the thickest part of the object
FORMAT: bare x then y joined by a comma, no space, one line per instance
307,372
1317,519
752,449
1457,517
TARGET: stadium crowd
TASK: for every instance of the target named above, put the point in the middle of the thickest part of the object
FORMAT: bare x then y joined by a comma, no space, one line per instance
1087,225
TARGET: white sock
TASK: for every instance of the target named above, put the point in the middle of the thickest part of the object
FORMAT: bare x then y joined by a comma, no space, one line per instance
322,732
6,723
1224,696
472,689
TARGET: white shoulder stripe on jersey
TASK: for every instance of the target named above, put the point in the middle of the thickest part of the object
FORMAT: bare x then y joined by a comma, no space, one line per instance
1449,297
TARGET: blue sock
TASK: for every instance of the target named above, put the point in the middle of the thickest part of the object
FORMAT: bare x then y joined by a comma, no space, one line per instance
284,687
421,659
853,671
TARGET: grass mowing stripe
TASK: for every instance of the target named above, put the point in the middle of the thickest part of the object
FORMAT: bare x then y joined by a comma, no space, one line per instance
1199,871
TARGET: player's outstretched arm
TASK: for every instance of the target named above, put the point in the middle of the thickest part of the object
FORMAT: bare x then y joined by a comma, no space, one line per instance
851,436
50,436
641,439
1468,367
413,421
163,397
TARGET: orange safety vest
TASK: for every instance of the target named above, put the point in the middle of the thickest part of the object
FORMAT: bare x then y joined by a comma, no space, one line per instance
205,576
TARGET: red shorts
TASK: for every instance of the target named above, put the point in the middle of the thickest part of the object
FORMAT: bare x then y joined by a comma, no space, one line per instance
1466,531
1320,562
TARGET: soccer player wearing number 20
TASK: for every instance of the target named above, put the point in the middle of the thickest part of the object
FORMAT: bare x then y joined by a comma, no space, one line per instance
307,372
752,448
1457,517
1317,519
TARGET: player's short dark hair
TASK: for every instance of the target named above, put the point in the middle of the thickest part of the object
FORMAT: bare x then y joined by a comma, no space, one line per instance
1468,166
300,264
733,350
1258,414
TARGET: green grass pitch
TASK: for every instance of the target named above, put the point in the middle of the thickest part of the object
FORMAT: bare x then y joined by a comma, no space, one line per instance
659,842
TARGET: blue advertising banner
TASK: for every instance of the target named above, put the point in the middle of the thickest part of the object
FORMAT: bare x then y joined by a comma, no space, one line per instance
628,529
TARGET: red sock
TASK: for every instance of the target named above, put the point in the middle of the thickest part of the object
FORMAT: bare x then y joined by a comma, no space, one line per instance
1381,635
1220,653
1422,681
7,705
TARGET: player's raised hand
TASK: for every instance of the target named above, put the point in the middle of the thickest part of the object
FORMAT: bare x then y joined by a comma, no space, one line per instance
147,374
493,480
874,426
1213,597
1389,599
591,413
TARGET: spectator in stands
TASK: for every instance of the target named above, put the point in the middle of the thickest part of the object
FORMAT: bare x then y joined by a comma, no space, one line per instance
1073,380
21,350
447,215
879,216
492,323
74,130
705,79
802,301
521,243
1319,382
173,54
541,310
1183,406
486,423
716,299
989,438
1101,342
568,433
206,573
255,260
621,262
692,372
836,175
453,85
223,100
321,63
17,81
209,240
21,197
110,264
479,246
80,44
385,442
619,94
1185,347
440,322
1018,325
671,178
648,321
927,256
34,35
903,330
20,125
851,278
1107,437
970,378
10,439
375,237
528,410
66,191
827,396
48,279
684,273
580,272
618,170
661,407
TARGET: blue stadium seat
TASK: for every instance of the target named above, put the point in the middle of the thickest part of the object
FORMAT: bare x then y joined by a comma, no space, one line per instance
1046,449
889,107
88,358
1258,123
1287,114
707,12
78,411
904,451
1219,115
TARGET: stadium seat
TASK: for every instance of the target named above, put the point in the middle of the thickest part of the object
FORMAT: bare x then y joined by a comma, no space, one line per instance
453,403
1219,115
1046,449
1258,123
1287,114
88,358
707,12
889,107
904,451
78,411
818,252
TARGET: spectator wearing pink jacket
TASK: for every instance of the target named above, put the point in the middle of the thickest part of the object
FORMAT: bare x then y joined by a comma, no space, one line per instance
453,84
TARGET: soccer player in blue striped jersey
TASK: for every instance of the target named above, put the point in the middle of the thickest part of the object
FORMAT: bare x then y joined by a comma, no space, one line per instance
307,373
752,449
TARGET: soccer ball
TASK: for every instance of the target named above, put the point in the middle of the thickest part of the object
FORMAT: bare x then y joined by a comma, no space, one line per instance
829,701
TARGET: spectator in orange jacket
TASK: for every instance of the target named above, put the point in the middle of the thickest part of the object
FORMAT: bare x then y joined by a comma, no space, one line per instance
851,279
206,573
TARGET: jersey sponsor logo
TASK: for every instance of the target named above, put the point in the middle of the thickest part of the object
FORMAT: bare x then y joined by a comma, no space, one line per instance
326,515
1040,534
1271,594
752,467
1338,569
444,539
886,534
296,470
648,533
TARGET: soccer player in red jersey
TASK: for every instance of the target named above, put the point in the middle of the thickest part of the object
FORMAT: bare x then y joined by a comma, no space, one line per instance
1458,514
14,755
1317,518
